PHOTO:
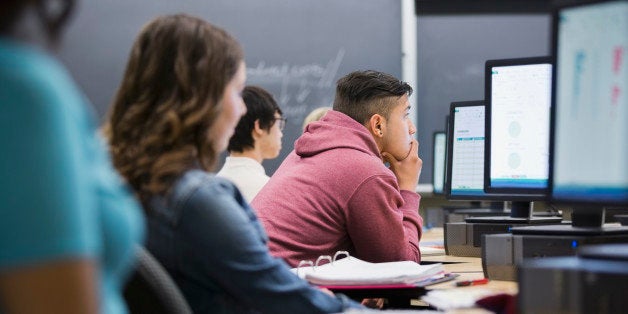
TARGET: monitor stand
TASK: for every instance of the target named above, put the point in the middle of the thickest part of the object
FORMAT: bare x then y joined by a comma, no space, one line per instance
586,228
465,238
496,208
520,213
477,210
437,216
585,221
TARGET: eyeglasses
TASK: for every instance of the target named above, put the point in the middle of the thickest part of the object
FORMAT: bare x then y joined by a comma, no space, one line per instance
282,123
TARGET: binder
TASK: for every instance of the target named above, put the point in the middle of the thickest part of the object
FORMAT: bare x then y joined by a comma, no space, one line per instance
396,281
351,271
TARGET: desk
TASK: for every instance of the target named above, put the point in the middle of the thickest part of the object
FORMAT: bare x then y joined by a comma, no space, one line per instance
469,268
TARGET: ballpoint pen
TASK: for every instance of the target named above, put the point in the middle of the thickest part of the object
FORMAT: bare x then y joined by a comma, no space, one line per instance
465,283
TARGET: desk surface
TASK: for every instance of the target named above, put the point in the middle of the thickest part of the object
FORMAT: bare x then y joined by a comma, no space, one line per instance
469,268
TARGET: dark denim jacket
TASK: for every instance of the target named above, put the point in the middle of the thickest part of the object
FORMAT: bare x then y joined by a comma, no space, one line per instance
209,239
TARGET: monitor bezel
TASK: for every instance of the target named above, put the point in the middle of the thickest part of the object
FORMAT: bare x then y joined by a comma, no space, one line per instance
468,197
488,66
434,135
599,203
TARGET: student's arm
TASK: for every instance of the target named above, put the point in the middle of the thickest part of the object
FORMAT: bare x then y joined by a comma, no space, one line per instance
54,287
233,255
383,222
49,233
407,170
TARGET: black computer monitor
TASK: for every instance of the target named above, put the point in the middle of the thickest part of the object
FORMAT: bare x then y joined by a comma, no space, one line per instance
438,162
517,99
465,160
589,144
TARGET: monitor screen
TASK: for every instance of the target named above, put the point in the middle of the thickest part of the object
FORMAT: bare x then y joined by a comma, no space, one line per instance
518,99
467,149
590,121
465,155
438,175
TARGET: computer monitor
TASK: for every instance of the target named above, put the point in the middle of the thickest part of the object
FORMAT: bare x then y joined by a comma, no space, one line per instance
438,173
465,161
589,147
517,100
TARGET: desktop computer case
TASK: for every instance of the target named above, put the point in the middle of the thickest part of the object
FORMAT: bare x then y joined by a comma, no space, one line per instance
573,285
465,239
501,253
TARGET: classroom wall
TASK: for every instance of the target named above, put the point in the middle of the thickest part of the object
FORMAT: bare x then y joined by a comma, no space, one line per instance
451,53
295,49
298,49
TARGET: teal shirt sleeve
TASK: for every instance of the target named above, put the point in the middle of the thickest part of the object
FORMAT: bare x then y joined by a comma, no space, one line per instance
44,197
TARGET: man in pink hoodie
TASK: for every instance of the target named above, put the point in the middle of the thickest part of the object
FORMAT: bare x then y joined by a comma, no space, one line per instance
334,191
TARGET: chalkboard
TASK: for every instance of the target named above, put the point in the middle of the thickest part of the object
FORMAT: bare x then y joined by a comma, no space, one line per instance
451,51
295,49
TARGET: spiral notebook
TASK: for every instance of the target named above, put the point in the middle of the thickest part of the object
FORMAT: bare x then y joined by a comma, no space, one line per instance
351,271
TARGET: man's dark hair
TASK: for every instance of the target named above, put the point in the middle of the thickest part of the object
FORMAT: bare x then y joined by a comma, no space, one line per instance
260,105
361,94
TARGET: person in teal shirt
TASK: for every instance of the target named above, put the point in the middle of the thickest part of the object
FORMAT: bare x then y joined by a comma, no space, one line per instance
68,226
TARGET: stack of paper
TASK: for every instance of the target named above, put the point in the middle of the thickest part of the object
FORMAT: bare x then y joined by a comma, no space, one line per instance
448,299
431,251
353,271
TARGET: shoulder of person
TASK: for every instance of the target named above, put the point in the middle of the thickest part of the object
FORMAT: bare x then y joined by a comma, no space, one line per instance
36,78
204,187
30,65
365,165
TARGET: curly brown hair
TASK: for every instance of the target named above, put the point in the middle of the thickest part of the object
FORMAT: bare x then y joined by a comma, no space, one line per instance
169,98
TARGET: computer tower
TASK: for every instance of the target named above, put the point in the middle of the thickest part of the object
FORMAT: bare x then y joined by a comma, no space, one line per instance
502,253
589,283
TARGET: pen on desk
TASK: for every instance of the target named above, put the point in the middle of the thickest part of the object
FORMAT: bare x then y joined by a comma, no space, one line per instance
472,282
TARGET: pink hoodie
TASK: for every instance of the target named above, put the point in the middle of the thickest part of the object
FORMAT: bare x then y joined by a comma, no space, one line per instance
333,193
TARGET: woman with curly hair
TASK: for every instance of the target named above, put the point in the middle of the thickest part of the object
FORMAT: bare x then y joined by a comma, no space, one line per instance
178,104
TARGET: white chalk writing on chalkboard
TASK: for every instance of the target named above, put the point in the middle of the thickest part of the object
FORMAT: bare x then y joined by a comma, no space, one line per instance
298,84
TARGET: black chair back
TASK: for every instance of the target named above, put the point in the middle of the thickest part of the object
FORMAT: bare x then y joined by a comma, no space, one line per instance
151,289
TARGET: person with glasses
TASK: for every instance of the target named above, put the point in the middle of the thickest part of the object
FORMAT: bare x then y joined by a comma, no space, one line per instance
257,137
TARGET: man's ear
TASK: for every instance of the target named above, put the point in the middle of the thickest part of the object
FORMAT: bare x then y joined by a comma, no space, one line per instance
377,125
257,130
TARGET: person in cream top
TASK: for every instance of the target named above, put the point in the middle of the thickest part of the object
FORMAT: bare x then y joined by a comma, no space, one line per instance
257,137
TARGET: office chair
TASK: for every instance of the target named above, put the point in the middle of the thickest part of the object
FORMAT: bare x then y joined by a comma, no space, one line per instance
151,289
